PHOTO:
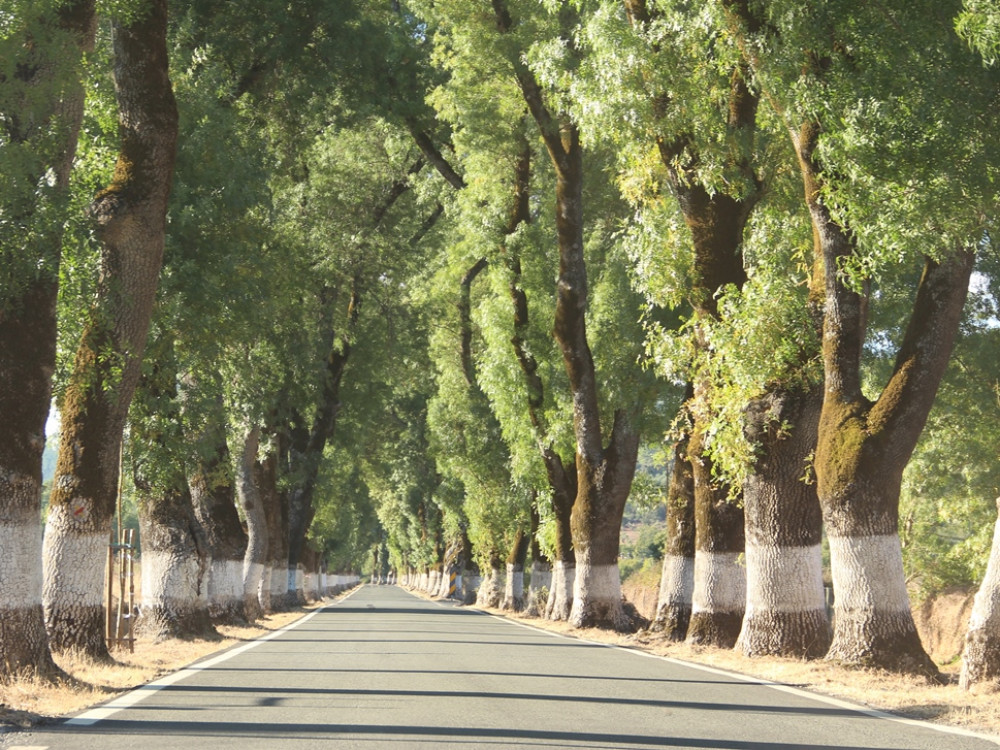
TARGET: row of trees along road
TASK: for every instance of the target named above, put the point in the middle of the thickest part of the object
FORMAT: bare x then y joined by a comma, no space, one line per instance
407,284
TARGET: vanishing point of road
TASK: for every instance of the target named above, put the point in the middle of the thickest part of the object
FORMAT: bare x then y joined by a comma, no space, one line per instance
385,669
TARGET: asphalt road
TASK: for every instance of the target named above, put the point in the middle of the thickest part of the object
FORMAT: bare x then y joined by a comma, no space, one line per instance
385,669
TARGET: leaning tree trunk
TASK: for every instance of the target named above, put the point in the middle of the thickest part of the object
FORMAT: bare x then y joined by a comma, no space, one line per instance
981,658
213,496
513,595
28,328
175,566
786,608
255,559
864,447
129,220
673,608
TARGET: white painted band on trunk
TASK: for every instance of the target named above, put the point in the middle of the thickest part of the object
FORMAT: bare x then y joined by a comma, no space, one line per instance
515,582
676,581
225,582
868,573
784,579
986,605
279,580
597,583
73,565
20,566
252,575
720,582
169,577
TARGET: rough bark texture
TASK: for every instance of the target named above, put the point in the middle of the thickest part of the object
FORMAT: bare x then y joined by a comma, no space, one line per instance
673,609
28,353
786,611
981,657
213,496
717,221
175,568
864,447
129,221
719,599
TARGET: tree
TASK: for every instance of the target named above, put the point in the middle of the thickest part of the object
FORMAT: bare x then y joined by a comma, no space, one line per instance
41,107
129,223
863,97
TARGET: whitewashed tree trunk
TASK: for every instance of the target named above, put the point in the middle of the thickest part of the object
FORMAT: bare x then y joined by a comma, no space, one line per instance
174,597
539,588
561,596
598,588
491,589
513,594
981,658
253,510
719,598
676,596
75,558
225,590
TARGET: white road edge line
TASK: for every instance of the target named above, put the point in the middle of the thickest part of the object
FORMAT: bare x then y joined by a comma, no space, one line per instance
829,700
94,715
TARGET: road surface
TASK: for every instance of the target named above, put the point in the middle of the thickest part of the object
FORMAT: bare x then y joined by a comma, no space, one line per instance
385,669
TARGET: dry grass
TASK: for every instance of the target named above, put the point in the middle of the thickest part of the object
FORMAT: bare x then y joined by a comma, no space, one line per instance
28,701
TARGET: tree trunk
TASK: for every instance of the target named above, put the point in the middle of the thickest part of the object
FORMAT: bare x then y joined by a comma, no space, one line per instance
981,658
864,447
255,559
41,93
786,609
541,570
673,609
274,591
719,599
213,496
491,589
175,568
129,218
513,597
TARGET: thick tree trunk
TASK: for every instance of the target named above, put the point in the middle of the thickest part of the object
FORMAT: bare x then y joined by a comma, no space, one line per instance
213,496
597,519
673,608
981,658
786,610
28,324
719,599
129,218
513,596
717,221
175,568
255,559
490,592
864,447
